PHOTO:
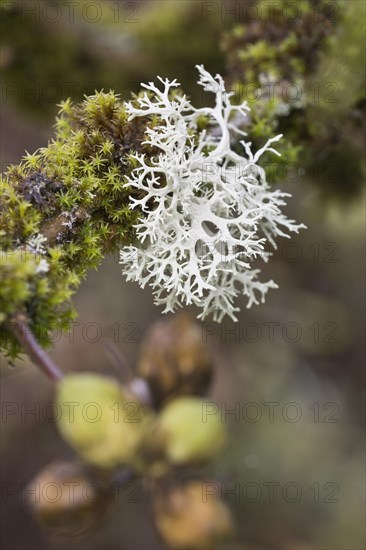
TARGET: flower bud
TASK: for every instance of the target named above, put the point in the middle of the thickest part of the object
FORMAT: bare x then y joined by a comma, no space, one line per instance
184,435
66,498
174,360
188,517
99,420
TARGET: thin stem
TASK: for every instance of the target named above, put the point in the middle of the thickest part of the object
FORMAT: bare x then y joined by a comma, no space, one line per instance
35,352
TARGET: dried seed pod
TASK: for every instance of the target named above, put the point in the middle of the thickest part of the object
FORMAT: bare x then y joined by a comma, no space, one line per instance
65,497
192,517
184,434
174,360
100,420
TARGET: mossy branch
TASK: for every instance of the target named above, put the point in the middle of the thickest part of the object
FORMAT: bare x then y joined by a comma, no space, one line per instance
298,81
61,210
64,207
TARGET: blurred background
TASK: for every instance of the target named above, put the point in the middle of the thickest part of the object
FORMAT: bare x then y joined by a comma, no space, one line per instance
292,369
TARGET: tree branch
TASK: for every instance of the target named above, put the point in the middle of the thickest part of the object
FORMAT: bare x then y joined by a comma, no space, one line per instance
35,352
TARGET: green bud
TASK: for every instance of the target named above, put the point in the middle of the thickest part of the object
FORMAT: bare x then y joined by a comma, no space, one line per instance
99,420
184,435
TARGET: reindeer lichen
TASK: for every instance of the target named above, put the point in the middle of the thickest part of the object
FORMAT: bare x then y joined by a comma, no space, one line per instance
208,209
138,173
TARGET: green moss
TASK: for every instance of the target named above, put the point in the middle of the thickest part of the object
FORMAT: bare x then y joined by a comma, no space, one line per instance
316,52
279,41
72,193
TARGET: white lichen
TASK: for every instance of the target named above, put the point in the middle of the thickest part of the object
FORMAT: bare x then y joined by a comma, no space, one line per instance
35,246
208,211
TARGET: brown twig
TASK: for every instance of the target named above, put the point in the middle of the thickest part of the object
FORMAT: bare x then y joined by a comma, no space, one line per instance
35,352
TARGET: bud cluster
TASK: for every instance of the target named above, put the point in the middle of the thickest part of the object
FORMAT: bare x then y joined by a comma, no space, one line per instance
152,429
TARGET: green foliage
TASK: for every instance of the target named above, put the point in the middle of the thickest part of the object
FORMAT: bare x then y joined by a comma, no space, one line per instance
165,39
281,44
265,56
345,65
70,195
37,54
336,109
282,54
